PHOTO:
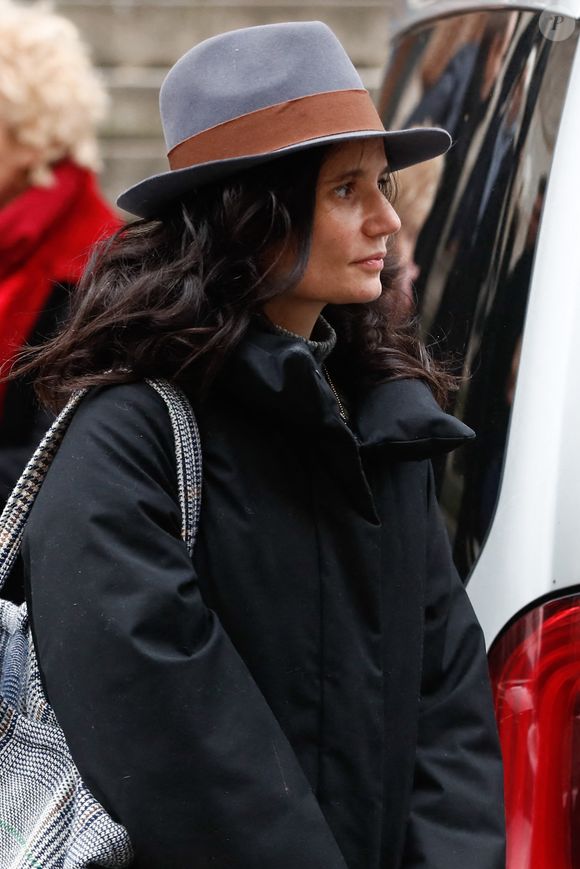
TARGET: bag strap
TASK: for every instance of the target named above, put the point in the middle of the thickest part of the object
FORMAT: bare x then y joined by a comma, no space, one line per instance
188,460
188,455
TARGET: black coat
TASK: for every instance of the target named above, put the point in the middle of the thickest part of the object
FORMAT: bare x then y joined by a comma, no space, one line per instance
313,694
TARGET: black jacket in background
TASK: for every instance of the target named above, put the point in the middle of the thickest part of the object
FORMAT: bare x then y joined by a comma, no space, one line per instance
312,693
23,422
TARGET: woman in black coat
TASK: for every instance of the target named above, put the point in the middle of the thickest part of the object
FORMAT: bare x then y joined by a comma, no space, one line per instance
312,690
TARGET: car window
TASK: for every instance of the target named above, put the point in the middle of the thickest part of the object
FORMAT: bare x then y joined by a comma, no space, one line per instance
470,221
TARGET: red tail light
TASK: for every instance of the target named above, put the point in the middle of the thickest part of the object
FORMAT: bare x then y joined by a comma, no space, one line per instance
535,670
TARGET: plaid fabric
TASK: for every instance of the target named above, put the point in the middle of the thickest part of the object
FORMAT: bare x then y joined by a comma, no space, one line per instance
48,818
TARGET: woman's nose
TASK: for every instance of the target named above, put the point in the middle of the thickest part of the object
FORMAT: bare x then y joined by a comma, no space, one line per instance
382,218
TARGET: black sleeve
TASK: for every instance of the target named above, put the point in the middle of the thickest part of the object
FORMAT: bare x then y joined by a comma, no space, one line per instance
457,814
162,717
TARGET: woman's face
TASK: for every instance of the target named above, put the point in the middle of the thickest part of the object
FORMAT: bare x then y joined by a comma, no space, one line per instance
352,222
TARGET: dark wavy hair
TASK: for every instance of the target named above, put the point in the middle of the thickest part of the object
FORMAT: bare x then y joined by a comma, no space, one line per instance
171,297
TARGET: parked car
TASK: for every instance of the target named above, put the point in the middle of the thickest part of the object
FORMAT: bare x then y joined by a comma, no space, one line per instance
494,262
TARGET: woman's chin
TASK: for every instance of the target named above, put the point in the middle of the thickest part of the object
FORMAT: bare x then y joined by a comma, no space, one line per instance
361,294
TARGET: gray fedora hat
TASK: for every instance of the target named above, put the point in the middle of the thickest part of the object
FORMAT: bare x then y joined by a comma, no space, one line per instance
251,95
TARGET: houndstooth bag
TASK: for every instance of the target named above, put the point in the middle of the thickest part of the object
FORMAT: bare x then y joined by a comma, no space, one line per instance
48,818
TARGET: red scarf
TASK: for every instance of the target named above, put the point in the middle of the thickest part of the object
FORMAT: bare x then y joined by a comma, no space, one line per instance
45,237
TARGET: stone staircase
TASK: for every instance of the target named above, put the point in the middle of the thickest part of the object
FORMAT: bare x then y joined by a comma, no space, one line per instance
134,42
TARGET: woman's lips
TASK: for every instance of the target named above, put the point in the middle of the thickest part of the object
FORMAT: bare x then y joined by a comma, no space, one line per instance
374,263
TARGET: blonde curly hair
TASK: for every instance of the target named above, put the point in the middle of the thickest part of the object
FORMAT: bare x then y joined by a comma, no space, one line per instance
51,98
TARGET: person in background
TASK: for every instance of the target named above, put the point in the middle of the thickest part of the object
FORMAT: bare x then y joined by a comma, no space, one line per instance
51,211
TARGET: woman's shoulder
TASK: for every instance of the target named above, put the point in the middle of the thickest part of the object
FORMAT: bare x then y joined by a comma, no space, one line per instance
135,408
125,427
121,397
116,460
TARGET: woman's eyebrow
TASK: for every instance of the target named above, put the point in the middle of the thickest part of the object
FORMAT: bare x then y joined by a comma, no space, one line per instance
354,173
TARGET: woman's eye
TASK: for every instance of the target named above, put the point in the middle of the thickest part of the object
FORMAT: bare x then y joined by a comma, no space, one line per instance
385,186
343,191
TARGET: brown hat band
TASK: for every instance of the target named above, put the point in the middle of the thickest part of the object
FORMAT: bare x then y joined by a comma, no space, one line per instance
279,126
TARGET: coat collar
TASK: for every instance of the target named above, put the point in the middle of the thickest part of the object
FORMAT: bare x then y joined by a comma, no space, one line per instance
404,416
276,372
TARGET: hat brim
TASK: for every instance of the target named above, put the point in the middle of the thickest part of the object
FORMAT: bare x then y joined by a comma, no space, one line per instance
403,148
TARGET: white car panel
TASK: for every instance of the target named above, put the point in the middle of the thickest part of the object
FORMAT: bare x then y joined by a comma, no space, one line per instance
533,546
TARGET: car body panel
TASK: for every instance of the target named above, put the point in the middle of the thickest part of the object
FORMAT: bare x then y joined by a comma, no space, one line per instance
526,547
533,547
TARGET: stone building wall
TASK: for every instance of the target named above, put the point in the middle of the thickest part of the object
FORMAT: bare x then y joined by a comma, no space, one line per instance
134,42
